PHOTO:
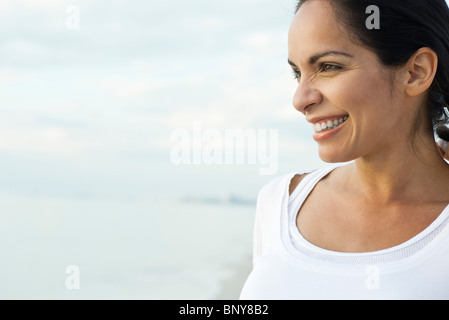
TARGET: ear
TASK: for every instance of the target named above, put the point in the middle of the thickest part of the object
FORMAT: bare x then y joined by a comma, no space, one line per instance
421,69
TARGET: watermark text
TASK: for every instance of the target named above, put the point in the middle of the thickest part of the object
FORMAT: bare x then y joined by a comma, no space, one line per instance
226,147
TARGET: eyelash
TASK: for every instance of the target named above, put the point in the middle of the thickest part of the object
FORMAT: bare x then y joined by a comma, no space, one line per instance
296,74
322,66
334,67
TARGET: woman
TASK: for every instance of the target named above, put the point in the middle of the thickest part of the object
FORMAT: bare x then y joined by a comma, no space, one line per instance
376,227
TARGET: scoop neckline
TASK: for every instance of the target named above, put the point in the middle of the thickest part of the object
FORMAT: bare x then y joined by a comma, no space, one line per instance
387,255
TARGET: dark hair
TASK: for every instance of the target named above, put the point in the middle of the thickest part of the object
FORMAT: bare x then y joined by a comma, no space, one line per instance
443,132
405,27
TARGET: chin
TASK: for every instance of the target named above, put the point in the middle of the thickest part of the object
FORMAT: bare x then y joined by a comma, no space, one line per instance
331,156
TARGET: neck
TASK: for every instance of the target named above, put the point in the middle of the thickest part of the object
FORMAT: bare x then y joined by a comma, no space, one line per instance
401,173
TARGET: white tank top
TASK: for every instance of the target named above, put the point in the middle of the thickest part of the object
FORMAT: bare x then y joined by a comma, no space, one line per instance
287,266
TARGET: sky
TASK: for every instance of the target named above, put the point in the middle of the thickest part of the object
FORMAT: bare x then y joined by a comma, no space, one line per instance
96,95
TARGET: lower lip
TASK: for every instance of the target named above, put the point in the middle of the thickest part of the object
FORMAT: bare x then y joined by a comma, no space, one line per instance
326,134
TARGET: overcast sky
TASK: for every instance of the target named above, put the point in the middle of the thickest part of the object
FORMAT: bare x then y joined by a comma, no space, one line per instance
88,106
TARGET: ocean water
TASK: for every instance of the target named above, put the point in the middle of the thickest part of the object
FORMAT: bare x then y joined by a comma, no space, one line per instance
122,249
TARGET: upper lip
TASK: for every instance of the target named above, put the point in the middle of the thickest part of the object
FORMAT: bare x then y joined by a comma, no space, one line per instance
324,118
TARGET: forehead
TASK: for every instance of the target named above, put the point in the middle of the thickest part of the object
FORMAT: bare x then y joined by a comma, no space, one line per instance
314,28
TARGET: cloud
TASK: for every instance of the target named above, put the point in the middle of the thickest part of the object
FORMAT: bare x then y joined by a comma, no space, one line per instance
48,140
137,70
25,49
47,4
116,32
6,76
129,89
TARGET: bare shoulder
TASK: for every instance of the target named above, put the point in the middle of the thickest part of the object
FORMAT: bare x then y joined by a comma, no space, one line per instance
294,182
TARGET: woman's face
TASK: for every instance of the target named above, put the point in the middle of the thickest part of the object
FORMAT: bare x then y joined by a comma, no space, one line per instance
350,99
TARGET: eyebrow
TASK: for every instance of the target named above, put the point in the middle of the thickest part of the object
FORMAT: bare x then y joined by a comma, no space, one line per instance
316,57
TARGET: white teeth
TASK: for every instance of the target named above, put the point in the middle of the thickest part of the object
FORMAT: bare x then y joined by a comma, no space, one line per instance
318,127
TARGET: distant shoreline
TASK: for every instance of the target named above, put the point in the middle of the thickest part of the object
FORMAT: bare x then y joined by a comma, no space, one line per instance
230,200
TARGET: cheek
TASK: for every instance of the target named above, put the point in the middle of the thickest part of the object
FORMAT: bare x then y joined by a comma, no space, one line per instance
366,98
369,105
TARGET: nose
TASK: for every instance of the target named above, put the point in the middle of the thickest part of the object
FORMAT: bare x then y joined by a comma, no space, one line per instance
306,96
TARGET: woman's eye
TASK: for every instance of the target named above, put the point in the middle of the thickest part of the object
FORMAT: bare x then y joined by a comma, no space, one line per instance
325,67
296,74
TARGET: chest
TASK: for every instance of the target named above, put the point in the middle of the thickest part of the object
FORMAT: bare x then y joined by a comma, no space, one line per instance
347,224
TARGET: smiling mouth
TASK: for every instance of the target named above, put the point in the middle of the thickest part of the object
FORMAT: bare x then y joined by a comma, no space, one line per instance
328,125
